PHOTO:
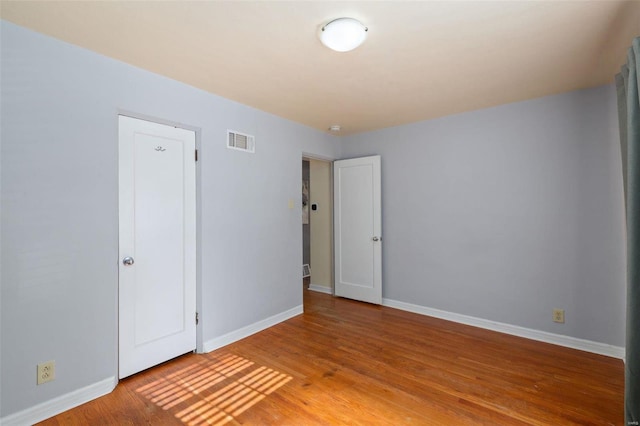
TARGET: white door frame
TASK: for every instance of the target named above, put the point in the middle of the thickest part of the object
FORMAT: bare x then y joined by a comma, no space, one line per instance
366,291
312,156
198,135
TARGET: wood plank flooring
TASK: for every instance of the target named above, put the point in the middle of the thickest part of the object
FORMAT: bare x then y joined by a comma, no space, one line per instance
345,362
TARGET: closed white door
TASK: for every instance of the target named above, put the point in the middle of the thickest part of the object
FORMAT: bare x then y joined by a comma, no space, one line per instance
157,282
358,229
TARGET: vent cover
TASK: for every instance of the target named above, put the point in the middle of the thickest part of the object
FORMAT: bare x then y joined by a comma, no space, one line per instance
241,141
306,270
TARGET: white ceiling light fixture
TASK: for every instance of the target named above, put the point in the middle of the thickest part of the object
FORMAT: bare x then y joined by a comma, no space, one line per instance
343,34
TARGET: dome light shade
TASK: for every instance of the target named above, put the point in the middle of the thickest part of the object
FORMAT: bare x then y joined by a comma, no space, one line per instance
343,34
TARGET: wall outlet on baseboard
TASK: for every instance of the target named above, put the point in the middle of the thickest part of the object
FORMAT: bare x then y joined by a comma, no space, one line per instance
558,315
46,372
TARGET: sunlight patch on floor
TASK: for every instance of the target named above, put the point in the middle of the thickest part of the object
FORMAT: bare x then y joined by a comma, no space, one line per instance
213,391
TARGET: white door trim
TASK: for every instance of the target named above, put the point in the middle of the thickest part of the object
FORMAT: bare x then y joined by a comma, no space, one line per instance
198,131
148,339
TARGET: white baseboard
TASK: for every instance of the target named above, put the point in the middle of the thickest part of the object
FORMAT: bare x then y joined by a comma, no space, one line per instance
60,404
542,336
320,289
243,332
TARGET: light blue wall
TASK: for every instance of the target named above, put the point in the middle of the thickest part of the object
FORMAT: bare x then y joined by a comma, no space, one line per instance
60,214
508,212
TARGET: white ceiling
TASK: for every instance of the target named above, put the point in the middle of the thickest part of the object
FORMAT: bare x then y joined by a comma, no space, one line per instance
421,60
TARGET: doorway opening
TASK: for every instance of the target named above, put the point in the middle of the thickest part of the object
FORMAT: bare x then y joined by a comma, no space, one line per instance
317,224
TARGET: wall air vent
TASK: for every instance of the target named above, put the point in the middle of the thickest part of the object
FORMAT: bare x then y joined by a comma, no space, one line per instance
241,141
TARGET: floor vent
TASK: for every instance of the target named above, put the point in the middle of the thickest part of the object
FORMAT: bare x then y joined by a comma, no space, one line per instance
241,141
306,270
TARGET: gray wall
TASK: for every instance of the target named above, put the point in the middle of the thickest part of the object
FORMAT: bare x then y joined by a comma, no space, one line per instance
508,212
60,214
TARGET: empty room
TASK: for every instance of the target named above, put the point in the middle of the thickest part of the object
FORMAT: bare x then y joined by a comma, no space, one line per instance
469,181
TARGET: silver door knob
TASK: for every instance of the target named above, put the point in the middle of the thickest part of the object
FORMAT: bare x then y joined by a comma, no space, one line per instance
376,239
128,261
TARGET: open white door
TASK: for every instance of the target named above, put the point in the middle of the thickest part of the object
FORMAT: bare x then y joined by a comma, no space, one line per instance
157,213
358,229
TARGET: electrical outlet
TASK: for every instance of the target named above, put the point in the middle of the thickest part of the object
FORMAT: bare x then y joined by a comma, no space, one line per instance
558,315
46,372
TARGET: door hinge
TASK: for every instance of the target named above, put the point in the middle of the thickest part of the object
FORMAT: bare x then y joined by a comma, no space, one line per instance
196,155
197,318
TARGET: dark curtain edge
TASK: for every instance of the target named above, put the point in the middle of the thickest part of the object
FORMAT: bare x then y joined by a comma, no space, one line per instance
627,85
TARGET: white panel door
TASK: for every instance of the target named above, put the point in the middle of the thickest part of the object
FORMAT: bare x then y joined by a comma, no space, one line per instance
358,229
157,283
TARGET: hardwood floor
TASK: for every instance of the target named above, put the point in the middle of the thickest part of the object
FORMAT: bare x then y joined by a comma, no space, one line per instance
345,362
